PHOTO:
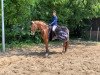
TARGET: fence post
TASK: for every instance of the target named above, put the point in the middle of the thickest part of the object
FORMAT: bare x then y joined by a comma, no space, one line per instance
3,30
97,34
90,32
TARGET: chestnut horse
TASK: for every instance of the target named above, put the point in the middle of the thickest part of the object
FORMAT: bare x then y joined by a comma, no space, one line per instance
44,29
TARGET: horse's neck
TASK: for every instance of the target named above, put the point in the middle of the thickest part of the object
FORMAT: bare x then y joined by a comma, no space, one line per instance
38,27
41,25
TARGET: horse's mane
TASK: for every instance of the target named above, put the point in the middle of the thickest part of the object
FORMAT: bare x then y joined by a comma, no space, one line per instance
38,21
40,24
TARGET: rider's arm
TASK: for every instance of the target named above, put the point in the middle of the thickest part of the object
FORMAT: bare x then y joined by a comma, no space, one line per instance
54,20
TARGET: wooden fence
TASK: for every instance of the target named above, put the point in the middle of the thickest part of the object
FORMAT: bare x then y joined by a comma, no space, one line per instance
93,35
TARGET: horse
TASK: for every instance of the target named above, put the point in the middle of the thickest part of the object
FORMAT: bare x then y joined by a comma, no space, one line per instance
44,29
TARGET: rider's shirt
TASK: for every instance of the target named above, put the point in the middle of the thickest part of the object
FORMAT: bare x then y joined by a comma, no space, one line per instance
54,21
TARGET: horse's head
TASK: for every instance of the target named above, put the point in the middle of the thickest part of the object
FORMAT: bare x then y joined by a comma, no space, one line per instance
33,28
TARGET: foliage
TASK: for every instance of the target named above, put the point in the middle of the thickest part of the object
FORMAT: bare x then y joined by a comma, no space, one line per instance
17,19
71,13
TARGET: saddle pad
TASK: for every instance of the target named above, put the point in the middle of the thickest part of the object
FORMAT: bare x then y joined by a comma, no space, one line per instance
62,35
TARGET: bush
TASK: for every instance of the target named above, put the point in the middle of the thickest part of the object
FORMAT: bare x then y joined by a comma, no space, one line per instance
71,13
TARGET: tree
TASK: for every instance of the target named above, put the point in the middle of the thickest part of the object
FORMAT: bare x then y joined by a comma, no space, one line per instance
71,13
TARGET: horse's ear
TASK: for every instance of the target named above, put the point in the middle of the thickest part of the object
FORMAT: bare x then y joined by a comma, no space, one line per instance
32,22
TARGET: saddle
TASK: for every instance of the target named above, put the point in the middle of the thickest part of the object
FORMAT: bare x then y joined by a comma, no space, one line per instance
61,33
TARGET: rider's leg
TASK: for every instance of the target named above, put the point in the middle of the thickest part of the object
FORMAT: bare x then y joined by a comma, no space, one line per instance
50,33
53,29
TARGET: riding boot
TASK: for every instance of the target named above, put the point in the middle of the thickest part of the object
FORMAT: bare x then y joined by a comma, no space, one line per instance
55,36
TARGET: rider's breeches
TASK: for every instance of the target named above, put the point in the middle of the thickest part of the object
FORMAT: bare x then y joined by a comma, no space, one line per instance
54,27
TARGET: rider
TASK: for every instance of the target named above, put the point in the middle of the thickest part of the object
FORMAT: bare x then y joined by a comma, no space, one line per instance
54,23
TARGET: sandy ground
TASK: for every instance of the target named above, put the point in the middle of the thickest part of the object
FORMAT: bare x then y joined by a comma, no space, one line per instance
82,58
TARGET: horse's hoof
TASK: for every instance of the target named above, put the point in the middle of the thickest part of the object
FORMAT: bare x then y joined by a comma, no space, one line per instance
63,52
46,55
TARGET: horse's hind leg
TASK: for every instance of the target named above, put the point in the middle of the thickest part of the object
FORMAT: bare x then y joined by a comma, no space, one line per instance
65,46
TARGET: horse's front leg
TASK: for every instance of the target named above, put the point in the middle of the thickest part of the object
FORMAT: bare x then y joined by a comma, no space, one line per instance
46,47
45,39
47,50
